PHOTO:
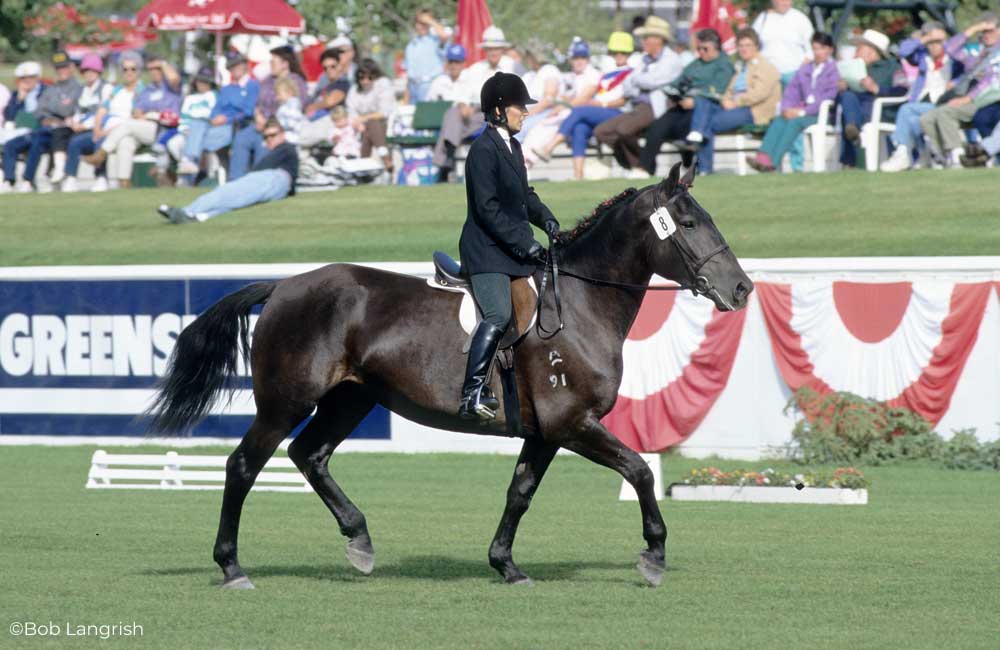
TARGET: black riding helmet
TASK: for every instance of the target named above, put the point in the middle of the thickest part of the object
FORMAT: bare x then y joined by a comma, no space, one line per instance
500,91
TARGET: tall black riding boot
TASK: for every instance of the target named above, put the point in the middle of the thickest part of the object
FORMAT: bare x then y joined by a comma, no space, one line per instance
478,401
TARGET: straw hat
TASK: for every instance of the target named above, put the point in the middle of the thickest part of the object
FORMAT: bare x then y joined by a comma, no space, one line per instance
654,26
493,36
876,39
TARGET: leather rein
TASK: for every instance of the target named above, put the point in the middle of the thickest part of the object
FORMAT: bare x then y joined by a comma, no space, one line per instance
692,263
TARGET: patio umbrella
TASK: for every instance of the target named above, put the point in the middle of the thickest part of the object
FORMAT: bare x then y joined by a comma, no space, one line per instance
473,17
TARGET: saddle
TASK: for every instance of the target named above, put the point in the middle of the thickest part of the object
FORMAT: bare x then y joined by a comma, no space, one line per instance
448,276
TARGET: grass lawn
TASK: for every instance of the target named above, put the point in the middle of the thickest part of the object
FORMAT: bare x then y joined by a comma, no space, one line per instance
801,215
916,568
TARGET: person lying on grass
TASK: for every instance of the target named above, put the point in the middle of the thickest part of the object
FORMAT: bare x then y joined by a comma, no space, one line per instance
271,179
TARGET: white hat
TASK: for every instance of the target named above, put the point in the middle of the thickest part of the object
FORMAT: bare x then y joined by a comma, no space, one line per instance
493,37
28,69
878,40
341,41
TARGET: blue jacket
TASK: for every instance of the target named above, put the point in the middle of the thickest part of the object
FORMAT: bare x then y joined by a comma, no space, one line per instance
916,54
237,102
14,106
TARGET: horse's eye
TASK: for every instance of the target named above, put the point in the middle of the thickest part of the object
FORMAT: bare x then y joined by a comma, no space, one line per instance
687,225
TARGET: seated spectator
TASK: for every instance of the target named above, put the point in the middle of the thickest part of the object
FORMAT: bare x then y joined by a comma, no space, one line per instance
370,103
113,111
935,73
753,97
606,104
579,87
346,140
289,111
423,57
464,119
644,91
271,179
856,105
942,125
56,107
705,78
815,82
24,103
196,110
331,91
248,143
348,54
445,86
543,81
988,111
96,91
161,95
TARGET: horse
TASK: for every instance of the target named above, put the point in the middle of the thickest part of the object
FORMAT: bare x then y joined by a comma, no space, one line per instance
342,338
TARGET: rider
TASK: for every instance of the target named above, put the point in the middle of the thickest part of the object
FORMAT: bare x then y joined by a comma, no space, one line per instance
497,243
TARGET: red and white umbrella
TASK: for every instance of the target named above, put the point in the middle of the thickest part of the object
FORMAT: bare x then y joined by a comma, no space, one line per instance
222,16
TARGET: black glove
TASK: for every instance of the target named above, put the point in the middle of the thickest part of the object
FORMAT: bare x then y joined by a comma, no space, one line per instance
551,228
537,254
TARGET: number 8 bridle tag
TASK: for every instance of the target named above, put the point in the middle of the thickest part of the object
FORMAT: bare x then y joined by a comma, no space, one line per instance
662,222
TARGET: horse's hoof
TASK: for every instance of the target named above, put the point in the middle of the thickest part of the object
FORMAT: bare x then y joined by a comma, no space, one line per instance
523,580
242,582
361,555
651,569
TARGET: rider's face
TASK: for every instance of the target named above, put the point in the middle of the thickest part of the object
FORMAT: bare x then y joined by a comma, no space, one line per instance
515,118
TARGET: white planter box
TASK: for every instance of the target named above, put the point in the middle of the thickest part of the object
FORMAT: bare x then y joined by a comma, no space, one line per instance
758,494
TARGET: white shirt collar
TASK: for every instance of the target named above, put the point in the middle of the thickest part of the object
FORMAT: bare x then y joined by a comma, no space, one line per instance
505,135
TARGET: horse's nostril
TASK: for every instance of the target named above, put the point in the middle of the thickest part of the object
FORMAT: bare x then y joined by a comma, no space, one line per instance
741,291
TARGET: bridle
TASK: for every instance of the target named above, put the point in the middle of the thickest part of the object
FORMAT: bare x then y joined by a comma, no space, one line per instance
692,263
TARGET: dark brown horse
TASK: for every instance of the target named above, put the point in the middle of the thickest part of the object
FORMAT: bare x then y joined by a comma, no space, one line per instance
344,338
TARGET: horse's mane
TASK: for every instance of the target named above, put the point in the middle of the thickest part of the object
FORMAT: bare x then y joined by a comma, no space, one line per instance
586,223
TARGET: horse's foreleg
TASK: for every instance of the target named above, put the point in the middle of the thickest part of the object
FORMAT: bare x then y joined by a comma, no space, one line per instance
337,416
244,464
596,443
535,457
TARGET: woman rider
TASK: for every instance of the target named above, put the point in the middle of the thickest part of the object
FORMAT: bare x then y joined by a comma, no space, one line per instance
497,241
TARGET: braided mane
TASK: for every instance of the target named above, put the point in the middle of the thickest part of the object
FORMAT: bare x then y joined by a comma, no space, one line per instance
603,208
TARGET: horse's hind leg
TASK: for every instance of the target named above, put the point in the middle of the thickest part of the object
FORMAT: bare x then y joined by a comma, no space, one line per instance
338,413
596,443
244,464
531,465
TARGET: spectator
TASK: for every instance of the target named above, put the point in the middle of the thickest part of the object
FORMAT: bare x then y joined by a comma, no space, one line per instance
423,57
685,44
606,104
752,97
56,107
705,78
331,91
96,91
935,73
464,119
196,113
856,105
163,94
543,81
113,111
445,86
248,143
982,74
644,90
579,88
785,34
346,142
348,54
289,111
271,179
24,105
369,105
983,154
815,82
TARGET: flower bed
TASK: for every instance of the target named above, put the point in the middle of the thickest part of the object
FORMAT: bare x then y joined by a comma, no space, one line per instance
844,486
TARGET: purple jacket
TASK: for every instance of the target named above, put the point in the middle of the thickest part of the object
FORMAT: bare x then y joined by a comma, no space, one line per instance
803,93
158,99
986,76
267,99
916,54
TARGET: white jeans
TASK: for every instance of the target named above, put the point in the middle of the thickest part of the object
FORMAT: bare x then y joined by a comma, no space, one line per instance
123,140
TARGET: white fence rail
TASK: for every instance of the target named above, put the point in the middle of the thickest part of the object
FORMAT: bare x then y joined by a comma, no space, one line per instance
173,471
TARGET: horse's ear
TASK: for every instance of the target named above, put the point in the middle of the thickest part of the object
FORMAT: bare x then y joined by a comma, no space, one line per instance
689,169
669,183
681,174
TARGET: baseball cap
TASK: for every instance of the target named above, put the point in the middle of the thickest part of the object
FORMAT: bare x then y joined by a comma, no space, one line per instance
455,52
234,58
579,49
92,62
28,69
61,59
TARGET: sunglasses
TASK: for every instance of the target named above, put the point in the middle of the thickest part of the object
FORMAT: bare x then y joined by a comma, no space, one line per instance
130,69
272,134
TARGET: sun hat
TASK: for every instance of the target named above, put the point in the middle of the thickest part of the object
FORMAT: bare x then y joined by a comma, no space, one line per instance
28,69
621,42
654,26
876,39
493,36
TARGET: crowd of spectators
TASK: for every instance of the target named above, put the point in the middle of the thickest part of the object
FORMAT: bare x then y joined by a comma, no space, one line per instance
651,87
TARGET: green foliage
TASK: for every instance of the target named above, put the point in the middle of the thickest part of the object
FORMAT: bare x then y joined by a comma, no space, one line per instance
841,427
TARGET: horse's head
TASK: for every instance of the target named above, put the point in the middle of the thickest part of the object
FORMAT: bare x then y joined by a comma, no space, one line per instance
684,245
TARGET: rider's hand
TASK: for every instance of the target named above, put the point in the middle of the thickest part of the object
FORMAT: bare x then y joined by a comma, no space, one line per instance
537,254
551,228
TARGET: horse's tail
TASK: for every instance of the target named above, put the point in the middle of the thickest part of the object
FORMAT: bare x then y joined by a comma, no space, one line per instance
205,356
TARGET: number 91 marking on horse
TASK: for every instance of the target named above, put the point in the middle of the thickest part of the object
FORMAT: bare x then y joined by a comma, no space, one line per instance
343,338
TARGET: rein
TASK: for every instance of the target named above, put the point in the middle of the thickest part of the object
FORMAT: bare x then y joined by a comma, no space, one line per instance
692,262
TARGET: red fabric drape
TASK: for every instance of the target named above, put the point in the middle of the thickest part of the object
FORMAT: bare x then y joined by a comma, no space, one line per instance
473,17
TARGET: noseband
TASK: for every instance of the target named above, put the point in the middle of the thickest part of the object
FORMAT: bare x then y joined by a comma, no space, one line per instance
692,263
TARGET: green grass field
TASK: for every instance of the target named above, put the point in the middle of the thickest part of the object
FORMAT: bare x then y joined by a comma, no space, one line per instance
916,568
801,215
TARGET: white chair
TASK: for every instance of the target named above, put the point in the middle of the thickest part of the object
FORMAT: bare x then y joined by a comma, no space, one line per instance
821,134
873,131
